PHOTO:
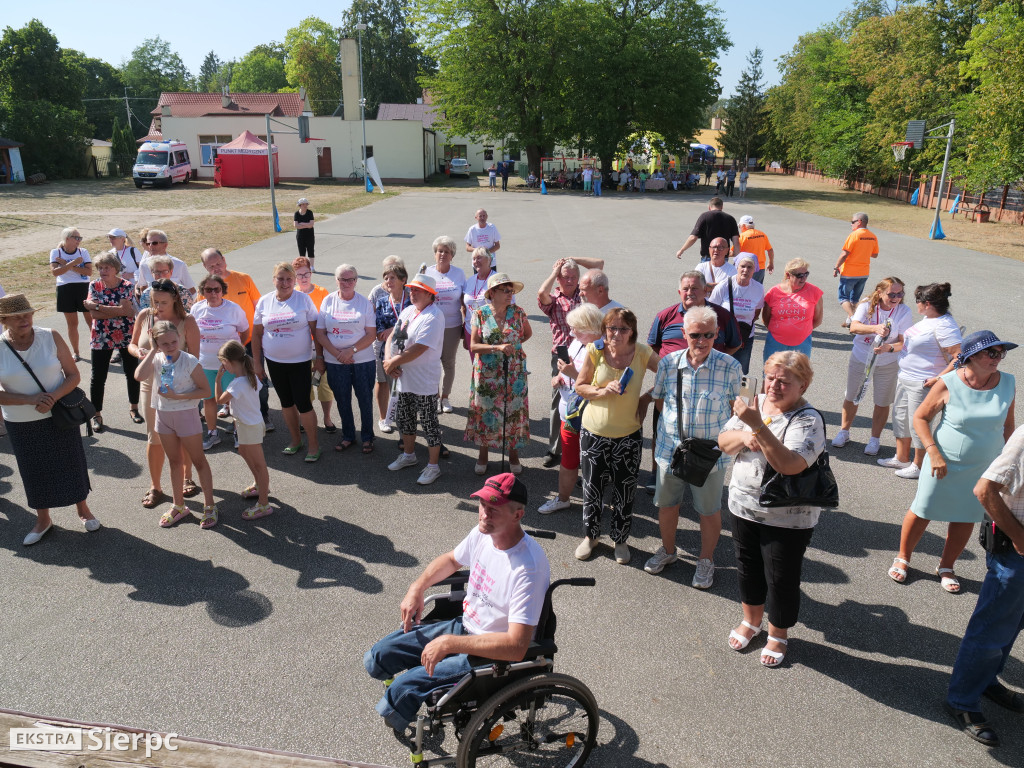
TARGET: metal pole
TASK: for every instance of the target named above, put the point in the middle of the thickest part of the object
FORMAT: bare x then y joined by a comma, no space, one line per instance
942,180
270,168
362,100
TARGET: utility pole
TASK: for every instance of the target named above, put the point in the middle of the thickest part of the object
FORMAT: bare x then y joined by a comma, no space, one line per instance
127,109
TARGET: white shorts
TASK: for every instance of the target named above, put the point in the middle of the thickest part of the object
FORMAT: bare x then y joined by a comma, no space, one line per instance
910,393
883,381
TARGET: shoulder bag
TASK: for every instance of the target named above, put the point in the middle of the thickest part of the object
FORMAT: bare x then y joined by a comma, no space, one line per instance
694,458
814,487
71,411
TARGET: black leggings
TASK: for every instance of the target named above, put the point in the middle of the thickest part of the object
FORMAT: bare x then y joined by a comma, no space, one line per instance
293,382
100,367
305,243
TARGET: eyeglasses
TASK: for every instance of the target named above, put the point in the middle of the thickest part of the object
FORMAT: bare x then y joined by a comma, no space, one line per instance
799,275
613,329
303,274
505,289
855,221
995,354
74,237
895,295
347,279
212,289
708,335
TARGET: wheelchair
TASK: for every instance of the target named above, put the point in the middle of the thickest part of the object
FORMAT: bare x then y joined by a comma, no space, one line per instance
508,713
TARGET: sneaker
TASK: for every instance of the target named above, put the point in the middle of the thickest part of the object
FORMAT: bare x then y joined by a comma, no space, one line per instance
224,412
446,406
268,425
622,553
911,472
429,475
658,561
480,469
842,438
845,323
871,449
893,463
705,575
385,426
586,548
404,460
212,438
554,505
551,460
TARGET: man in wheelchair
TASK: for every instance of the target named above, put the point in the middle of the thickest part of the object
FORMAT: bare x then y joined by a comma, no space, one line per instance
509,575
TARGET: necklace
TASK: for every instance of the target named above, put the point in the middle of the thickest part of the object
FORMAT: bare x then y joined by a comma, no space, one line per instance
983,386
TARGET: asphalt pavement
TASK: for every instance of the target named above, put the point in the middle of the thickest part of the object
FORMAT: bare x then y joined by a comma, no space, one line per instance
253,633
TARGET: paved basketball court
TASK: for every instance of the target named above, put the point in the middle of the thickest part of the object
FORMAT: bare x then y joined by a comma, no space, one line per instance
253,633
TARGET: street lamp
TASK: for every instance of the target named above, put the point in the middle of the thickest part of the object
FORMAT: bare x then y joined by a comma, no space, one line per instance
360,28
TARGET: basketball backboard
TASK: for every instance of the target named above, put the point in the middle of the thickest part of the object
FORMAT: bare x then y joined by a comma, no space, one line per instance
915,133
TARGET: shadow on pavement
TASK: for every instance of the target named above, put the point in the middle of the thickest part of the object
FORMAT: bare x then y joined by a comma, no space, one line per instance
618,747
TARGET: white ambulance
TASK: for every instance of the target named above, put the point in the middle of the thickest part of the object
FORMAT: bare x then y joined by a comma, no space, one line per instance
162,163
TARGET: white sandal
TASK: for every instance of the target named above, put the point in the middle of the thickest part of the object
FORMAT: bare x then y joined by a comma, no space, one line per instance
949,583
743,641
775,656
897,574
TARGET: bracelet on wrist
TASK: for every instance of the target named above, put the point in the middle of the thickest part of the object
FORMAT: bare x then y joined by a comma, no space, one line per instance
930,445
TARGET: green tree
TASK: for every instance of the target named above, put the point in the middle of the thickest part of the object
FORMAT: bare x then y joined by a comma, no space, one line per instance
123,149
258,72
153,68
103,97
208,79
747,119
313,50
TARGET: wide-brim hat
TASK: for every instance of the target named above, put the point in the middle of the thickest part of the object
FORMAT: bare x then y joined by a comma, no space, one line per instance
974,343
501,278
15,304
424,283
501,489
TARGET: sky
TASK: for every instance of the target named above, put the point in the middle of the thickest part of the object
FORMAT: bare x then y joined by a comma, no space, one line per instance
111,29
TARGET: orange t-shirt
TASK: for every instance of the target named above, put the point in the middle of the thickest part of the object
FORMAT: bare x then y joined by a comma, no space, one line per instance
318,294
756,242
243,291
861,246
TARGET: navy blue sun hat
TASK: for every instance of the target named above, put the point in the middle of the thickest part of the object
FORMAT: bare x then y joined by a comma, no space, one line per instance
976,342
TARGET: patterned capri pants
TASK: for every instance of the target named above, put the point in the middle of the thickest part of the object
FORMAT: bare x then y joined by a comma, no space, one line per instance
609,464
425,406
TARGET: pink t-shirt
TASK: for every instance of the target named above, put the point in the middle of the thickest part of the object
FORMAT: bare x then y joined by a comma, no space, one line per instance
792,314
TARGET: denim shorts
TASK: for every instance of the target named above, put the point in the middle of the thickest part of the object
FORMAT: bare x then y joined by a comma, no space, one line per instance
851,288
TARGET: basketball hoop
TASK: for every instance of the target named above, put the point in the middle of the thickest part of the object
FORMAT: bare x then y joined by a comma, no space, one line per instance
899,150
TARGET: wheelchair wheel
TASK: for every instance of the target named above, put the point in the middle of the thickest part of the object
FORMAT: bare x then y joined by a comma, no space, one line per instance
546,720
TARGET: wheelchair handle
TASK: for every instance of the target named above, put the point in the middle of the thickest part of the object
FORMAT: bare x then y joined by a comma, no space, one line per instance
541,534
580,581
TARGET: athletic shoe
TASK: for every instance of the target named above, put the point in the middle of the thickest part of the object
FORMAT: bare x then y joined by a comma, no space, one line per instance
554,505
846,323
871,449
911,472
212,438
268,425
893,463
385,426
705,575
842,438
404,460
551,460
446,406
658,561
480,469
622,553
429,474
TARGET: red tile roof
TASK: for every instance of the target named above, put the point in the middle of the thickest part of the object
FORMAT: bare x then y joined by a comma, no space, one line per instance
202,104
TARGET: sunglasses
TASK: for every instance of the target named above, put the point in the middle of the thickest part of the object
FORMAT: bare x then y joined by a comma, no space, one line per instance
995,354
895,295
506,289
618,329
208,289
74,237
799,275
708,335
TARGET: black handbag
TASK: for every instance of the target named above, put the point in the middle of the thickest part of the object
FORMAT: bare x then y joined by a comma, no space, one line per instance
814,487
71,411
694,458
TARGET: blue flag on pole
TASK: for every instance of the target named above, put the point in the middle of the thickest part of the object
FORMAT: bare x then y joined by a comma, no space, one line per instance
956,205
543,187
936,232
277,221
913,197
369,184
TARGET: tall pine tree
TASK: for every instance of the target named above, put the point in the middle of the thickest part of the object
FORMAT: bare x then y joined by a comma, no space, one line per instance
746,119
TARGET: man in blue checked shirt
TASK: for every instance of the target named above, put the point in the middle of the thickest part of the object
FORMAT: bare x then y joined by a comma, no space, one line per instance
710,384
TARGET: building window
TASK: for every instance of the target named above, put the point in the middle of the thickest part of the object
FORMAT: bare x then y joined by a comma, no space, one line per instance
369,151
454,150
208,146
488,153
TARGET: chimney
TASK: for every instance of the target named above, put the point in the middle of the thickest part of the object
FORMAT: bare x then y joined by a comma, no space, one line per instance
165,110
350,78
225,99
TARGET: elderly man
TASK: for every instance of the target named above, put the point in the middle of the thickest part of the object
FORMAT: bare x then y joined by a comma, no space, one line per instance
708,382
509,575
557,304
717,270
999,615
594,290
484,235
156,243
756,242
714,222
854,264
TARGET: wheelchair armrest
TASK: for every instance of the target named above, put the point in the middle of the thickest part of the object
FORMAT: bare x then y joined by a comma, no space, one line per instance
460,577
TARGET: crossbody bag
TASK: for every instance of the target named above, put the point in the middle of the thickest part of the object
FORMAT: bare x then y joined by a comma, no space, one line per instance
71,411
694,458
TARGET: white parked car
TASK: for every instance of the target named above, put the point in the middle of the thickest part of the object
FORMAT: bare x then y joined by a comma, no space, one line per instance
458,167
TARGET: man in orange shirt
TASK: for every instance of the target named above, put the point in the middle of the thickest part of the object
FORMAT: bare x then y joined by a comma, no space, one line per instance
854,264
756,242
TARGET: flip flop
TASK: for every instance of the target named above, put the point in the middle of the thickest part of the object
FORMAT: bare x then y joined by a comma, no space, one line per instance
742,639
897,574
774,658
173,516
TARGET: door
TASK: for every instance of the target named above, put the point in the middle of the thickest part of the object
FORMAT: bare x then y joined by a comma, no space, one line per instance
323,163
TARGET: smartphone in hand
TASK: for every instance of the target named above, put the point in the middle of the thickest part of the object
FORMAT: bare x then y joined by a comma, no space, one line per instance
748,388
624,380
563,354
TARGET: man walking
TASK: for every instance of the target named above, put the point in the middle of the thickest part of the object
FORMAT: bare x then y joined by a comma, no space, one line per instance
854,264
756,242
483,235
714,222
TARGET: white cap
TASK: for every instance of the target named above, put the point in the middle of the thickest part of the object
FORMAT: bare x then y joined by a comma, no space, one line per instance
117,233
748,220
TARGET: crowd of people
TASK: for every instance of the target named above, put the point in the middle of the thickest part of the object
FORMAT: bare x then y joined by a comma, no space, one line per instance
210,353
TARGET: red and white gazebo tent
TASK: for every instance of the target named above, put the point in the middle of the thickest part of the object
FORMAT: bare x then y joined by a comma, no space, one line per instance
243,162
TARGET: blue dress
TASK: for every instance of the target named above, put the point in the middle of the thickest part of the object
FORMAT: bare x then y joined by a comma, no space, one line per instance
970,436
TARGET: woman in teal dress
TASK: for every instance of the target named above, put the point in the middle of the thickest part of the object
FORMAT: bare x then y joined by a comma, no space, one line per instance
976,401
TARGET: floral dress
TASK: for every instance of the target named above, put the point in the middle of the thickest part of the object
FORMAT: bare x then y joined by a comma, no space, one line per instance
491,394
111,332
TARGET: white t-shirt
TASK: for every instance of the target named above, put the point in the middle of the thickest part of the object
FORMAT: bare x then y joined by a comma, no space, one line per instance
747,298
473,290
179,273
609,307
716,274
483,238
182,382
588,175
345,323
863,345
505,586
245,401
128,266
217,326
921,357
286,326
566,386
449,294
421,376
71,277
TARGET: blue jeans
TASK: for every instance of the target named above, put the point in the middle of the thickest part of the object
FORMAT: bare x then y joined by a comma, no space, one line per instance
850,289
400,652
997,620
743,354
343,379
771,346
759,276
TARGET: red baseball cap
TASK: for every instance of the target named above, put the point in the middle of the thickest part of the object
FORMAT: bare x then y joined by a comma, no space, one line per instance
501,489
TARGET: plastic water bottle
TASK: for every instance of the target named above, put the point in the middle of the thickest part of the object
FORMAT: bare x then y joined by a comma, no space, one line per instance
166,375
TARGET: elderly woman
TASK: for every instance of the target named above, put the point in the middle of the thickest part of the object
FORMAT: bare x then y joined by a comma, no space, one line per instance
162,268
611,437
792,309
388,299
744,298
113,320
345,331
322,391
413,359
305,238
39,447
779,429
282,323
220,320
449,281
71,265
585,325
474,293
130,257
928,350
884,305
498,396
976,404
166,305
